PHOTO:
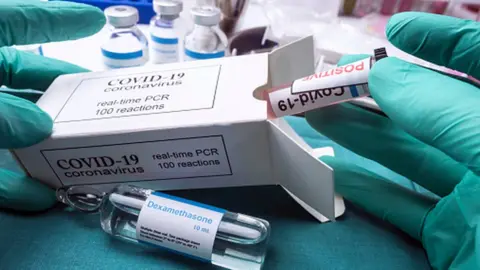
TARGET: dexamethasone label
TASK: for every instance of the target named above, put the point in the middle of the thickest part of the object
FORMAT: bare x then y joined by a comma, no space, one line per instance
179,224
141,94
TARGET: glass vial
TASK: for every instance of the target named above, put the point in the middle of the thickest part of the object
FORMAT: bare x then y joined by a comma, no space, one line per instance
206,40
165,31
154,219
126,46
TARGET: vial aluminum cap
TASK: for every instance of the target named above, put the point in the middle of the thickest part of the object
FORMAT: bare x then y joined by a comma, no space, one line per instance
122,16
167,7
206,15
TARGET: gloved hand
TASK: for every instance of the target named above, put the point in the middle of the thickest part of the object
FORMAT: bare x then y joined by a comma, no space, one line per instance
432,138
22,123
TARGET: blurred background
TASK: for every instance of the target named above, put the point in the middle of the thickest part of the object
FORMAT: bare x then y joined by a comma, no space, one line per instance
252,26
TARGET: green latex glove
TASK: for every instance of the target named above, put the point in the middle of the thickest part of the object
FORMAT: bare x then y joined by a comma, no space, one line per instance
22,123
432,138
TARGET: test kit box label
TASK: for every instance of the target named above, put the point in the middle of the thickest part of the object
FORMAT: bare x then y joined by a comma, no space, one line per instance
142,93
187,125
142,161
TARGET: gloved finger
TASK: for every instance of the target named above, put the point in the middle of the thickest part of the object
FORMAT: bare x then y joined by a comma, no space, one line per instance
29,22
18,192
388,201
434,108
24,70
377,138
442,40
22,123
30,95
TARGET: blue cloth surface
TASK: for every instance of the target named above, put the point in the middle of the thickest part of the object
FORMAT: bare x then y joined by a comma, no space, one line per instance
64,239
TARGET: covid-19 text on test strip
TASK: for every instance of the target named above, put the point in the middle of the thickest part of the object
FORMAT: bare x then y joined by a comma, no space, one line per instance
321,89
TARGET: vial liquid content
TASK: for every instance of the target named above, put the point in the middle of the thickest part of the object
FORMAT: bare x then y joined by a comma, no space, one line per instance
207,233
165,31
206,40
125,46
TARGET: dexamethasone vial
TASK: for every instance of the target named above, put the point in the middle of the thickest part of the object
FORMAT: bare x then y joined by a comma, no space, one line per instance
166,31
206,40
126,45
207,233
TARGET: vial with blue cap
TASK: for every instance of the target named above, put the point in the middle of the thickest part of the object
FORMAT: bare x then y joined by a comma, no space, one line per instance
166,31
206,40
126,46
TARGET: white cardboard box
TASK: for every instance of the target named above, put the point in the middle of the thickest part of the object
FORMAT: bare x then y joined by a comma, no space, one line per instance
182,126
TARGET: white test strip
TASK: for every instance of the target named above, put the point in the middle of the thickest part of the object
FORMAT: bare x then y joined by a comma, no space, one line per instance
355,73
127,201
336,85
238,231
284,103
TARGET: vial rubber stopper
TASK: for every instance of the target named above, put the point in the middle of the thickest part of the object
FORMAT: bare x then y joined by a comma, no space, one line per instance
206,15
122,16
167,7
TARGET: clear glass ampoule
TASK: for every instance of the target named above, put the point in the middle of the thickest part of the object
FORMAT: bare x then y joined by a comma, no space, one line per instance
166,31
154,219
126,45
206,40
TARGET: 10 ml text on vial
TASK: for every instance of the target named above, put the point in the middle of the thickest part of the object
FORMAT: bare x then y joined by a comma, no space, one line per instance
201,229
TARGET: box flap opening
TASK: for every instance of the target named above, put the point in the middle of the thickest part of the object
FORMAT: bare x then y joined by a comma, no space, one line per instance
302,174
317,153
288,63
